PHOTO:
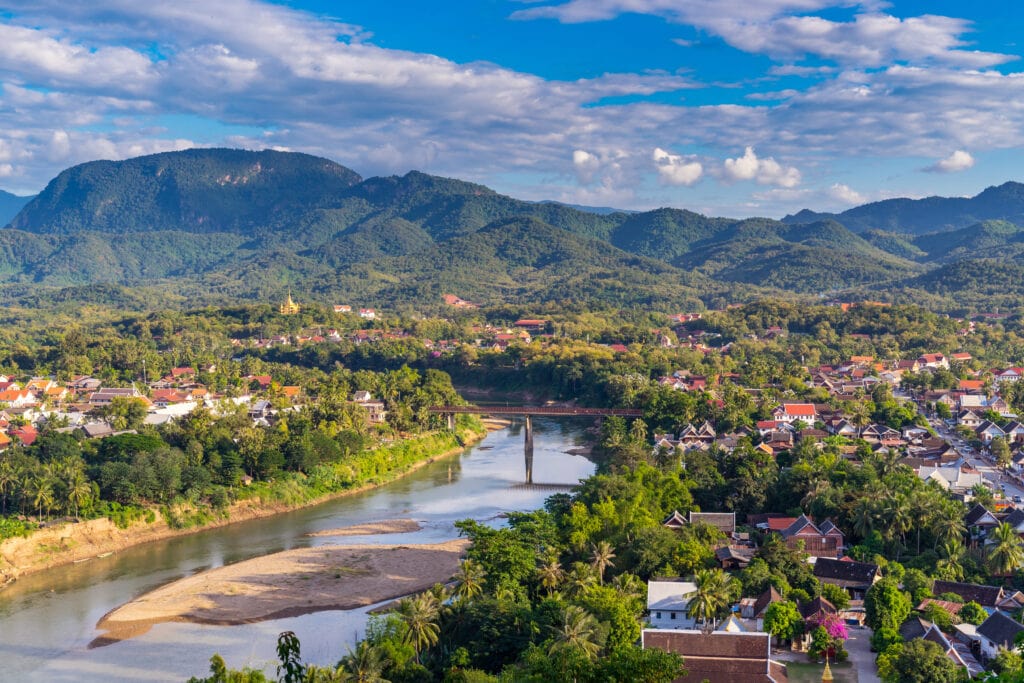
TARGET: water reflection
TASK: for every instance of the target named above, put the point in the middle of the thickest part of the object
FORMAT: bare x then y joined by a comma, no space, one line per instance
49,619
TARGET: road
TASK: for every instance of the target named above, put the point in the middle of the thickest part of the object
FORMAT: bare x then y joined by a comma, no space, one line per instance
980,461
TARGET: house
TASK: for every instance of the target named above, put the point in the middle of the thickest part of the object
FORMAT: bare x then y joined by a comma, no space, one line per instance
675,521
723,521
855,577
1014,432
261,410
531,324
791,412
969,418
342,308
916,627
988,430
367,313
375,410
816,610
804,533
735,556
104,397
997,632
15,398
956,479
979,521
97,430
720,656
696,436
992,598
755,608
26,434
668,602
933,361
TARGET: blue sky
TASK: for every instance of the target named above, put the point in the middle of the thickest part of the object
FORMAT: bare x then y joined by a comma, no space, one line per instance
727,107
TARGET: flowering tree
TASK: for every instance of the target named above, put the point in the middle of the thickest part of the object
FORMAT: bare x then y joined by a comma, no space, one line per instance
828,634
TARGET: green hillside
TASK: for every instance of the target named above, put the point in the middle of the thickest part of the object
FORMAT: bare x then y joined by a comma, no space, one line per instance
10,205
217,225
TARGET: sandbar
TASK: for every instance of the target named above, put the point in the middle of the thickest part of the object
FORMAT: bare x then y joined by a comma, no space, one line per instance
288,584
387,526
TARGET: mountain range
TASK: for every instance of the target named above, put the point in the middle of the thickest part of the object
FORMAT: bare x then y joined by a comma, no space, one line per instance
208,225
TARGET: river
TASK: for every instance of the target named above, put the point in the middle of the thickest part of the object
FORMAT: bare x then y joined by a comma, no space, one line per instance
49,619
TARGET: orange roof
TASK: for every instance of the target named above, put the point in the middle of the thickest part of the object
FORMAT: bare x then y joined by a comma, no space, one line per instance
291,392
12,395
780,523
972,383
805,409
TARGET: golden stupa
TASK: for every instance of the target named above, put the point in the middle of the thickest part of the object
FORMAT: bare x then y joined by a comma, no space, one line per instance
289,307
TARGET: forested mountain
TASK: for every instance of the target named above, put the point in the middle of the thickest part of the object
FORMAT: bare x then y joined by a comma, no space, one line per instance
10,205
931,214
217,224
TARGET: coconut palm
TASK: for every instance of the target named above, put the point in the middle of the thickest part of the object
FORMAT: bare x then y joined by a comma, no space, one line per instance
8,480
551,575
601,558
470,580
580,578
419,614
714,593
78,490
863,517
40,491
949,565
578,631
365,664
948,526
1007,553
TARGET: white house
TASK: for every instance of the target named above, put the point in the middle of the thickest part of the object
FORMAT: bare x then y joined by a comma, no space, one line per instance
997,632
667,602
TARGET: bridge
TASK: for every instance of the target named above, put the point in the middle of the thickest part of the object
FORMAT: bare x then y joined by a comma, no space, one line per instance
528,412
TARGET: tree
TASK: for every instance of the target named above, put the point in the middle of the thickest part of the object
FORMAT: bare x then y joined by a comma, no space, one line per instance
715,590
885,605
366,664
839,598
783,620
578,631
601,558
550,575
1007,553
470,580
1001,453
419,614
972,613
921,661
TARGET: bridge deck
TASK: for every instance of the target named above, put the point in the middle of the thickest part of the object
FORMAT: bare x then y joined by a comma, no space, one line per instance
536,411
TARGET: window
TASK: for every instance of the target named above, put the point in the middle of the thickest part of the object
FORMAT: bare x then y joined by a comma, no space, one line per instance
673,615
657,615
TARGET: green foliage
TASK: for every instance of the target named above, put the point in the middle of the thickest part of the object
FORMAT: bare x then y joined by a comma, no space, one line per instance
836,595
918,661
972,613
783,620
885,605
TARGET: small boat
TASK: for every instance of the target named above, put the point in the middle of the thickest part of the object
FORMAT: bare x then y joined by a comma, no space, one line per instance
84,559
106,554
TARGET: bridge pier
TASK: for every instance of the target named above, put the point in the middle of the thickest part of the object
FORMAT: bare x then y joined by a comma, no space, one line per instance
528,448
451,421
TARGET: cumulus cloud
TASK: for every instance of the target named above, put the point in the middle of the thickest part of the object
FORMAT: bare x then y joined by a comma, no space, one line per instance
786,29
586,165
954,163
675,169
765,171
846,194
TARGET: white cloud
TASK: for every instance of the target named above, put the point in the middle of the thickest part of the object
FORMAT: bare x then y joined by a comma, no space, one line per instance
765,171
954,163
846,194
586,165
675,169
786,29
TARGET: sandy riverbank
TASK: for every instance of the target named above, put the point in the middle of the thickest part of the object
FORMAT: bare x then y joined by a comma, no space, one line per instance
67,543
387,526
288,584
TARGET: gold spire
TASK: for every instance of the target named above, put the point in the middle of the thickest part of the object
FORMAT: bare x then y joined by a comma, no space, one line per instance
289,307
826,675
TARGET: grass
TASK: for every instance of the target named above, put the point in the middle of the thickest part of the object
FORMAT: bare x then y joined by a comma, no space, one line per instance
807,672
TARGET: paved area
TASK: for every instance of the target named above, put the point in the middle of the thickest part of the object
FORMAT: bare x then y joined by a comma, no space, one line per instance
861,656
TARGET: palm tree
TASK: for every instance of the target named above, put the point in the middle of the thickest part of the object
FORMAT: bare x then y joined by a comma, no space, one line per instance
365,664
78,490
419,614
1007,554
470,580
578,631
40,489
8,479
601,558
714,593
551,575
580,578
864,517
948,526
949,565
